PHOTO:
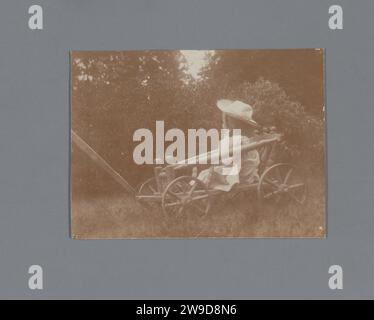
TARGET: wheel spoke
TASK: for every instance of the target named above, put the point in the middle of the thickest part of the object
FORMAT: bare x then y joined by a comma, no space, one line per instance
267,196
270,194
203,196
295,186
171,193
184,187
192,188
272,182
180,210
177,186
287,175
172,204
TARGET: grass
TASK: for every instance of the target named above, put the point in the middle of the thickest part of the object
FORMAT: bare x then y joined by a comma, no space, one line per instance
121,216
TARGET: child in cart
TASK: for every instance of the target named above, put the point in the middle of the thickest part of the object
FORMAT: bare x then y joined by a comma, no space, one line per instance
235,115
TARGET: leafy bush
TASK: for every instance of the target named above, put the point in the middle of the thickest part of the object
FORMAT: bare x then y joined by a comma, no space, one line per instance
303,134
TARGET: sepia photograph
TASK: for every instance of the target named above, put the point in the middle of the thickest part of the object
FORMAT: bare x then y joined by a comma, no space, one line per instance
198,144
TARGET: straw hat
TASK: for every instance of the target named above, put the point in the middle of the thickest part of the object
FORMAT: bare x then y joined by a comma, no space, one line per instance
238,110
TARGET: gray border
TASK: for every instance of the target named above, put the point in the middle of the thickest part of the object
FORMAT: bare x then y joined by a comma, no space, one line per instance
34,160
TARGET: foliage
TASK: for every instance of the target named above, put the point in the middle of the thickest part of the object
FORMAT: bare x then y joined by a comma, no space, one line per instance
299,72
114,93
303,134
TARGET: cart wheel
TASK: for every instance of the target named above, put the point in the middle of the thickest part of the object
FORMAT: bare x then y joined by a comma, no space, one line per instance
280,181
186,195
148,188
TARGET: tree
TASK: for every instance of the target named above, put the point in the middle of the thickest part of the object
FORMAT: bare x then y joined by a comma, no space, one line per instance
299,72
115,93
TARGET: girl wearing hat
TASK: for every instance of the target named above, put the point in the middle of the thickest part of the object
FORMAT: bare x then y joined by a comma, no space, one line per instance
235,115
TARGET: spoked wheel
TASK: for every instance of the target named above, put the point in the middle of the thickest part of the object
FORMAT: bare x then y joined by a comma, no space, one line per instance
148,188
186,197
280,182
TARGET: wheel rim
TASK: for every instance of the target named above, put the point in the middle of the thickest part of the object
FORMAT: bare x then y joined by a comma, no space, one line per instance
149,187
186,196
282,181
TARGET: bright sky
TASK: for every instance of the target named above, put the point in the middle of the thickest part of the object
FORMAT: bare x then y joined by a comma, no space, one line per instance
196,59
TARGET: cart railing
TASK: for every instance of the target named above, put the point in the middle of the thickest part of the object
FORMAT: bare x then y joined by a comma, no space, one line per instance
214,156
165,174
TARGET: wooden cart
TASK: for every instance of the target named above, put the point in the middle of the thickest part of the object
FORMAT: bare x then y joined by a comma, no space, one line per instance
178,193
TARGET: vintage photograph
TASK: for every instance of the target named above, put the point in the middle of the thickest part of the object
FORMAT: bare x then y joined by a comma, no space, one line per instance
198,144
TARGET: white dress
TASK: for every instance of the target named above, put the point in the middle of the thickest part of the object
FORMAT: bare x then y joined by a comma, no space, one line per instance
217,178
